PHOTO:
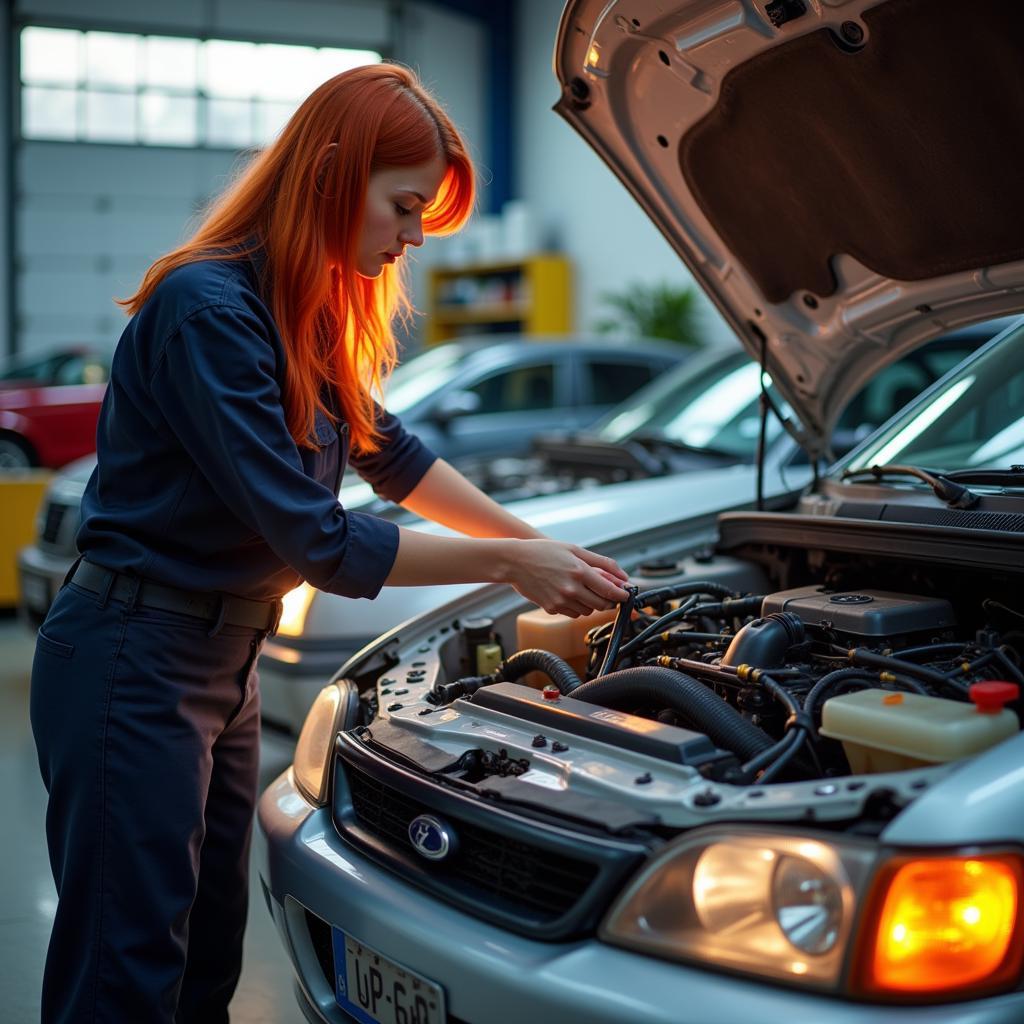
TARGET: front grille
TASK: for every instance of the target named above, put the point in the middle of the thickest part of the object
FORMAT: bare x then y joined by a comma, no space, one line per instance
545,884
533,877
60,524
55,512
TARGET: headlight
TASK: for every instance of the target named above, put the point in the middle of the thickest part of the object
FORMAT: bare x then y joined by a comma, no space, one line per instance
316,743
294,607
787,907
778,906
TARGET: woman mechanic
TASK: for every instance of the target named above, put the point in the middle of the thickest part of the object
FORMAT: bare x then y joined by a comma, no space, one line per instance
240,387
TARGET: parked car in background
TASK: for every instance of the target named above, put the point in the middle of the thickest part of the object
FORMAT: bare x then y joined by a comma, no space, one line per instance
49,407
490,395
77,364
43,564
701,416
472,398
787,787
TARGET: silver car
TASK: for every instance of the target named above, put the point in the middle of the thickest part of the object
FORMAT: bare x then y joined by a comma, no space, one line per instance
784,783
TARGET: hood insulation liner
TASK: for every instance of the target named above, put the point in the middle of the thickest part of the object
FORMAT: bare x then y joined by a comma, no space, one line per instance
907,153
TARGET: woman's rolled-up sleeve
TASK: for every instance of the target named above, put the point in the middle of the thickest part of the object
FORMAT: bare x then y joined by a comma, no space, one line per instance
400,462
215,385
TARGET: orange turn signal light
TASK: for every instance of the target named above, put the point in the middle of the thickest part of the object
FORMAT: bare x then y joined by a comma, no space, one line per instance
940,926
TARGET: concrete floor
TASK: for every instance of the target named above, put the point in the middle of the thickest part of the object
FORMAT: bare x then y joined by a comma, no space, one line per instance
27,896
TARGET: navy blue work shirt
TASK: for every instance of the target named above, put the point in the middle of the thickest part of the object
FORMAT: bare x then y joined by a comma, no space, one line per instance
199,484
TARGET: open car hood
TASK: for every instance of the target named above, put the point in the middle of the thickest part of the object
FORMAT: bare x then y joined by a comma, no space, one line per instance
842,177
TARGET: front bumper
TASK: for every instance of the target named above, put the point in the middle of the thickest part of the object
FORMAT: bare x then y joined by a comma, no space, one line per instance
312,879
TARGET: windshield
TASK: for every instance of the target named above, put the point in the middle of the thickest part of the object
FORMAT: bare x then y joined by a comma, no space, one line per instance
709,404
421,377
973,420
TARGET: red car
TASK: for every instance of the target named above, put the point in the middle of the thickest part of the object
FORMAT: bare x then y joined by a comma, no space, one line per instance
49,408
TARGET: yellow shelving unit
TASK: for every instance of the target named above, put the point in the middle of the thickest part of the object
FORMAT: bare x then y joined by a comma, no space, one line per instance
534,295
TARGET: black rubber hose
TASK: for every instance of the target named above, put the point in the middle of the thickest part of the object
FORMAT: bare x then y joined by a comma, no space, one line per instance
770,773
935,651
842,675
826,683
860,656
533,660
656,627
666,593
685,637
622,616
1010,667
755,764
653,685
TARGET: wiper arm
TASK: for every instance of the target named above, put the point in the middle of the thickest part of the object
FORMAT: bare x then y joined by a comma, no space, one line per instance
953,494
651,438
586,450
995,477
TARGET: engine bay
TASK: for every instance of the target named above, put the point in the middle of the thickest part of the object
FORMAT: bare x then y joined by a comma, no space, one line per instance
758,682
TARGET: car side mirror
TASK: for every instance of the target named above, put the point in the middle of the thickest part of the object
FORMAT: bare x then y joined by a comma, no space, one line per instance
455,404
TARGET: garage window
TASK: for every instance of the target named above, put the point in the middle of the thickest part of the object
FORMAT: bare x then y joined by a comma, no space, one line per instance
166,91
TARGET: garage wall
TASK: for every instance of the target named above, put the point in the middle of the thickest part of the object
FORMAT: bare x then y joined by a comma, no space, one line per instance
6,85
89,218
448,52
581,206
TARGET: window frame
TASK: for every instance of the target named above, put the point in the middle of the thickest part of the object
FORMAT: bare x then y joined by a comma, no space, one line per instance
199,93
557,375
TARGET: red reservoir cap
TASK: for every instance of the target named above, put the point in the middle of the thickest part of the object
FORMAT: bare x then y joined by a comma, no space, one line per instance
990,696
551,693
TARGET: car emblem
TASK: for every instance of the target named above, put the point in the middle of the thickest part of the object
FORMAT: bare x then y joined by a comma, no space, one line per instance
431,837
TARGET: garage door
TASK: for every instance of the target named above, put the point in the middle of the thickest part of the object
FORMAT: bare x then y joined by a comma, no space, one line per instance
89,221
124,138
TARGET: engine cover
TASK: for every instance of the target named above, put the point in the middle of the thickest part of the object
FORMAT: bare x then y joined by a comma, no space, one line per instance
862,613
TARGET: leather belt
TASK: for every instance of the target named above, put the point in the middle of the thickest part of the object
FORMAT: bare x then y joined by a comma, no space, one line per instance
220,609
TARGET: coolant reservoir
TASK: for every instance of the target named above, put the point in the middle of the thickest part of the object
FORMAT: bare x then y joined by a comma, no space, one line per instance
883,731
558,634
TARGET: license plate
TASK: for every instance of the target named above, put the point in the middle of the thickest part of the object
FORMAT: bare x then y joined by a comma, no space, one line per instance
35,592
376,990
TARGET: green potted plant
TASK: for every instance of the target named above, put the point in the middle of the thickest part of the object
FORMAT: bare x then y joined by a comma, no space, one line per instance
653,311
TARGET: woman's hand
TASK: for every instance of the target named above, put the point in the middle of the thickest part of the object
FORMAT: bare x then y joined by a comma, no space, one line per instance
563,578
557,576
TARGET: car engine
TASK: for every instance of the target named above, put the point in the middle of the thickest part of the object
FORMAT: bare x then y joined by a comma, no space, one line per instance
848,668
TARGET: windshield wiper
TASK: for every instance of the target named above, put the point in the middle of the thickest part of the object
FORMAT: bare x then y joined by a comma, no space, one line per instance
946,490
651,438
994,477
586,451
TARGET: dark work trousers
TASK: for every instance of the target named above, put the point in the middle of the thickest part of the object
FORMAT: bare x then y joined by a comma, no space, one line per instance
147,730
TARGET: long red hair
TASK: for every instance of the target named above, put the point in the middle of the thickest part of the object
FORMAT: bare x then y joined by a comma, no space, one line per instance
306,216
